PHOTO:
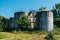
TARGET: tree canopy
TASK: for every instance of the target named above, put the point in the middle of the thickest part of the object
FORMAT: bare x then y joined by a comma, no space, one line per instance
57,5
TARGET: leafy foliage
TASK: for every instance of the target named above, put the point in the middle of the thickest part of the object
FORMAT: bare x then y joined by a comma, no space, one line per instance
57,22
1,23
57,5
55,14
42,8
50,36
23,22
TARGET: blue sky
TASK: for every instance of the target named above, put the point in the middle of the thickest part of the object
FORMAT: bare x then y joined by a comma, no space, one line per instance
8,7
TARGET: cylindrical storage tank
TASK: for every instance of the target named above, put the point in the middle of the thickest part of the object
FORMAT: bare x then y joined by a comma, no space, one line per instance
43,20
46,21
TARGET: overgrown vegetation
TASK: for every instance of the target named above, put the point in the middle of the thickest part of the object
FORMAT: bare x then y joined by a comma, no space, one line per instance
24,31
50,36
23,22
56,15
1,23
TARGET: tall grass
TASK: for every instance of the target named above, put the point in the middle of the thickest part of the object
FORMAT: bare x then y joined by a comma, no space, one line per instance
2,36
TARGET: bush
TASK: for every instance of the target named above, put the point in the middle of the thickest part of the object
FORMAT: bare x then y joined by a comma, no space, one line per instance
57,31
50,36
14,31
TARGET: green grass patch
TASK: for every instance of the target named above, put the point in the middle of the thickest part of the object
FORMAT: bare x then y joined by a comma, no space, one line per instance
2,36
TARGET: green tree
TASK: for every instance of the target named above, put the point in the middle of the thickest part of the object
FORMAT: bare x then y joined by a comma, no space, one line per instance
57,6
23,22
1,23
20,22
42,8
5,24
55,14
